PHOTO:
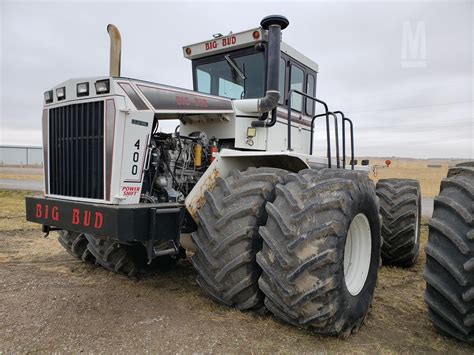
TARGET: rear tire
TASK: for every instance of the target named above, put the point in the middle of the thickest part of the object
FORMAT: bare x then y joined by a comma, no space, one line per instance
449,271
309,278
227,238
76,244
400,207
117,257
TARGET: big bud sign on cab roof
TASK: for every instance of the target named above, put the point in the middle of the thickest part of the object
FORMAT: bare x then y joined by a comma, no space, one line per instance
223,43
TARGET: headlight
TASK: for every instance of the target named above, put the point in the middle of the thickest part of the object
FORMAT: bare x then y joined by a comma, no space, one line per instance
102,86
82,89
48,96
61,93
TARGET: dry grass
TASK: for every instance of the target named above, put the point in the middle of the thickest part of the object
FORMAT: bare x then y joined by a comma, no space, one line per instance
429,177
12,213
21,177
21,173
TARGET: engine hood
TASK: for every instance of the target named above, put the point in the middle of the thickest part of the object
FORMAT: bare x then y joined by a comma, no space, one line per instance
164,99
140,95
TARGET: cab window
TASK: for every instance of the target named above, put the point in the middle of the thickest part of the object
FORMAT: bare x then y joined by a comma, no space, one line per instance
203,81
311,91
296,83
235,75
230,89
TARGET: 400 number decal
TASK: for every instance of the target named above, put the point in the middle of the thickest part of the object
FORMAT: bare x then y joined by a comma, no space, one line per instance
136,158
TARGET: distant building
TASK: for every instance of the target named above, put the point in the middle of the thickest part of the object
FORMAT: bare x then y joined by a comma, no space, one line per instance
20,155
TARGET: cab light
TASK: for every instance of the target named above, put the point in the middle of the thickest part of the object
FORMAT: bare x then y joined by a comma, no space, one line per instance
256,34
61,93
188,51
82,89
102,86
48,96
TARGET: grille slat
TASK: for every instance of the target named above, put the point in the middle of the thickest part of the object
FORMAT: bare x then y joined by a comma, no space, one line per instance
83,141
67,156
100,154
92,149
52,137
86,146
62,152
76,152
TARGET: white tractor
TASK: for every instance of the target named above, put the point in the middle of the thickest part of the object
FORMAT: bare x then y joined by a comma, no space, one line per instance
272,226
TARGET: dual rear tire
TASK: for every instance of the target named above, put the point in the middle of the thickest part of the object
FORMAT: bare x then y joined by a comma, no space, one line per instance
112,255
117,257
120,258
400,208
76,245
310,251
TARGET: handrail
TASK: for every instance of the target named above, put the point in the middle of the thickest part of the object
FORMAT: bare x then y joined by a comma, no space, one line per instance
289,109
344,120
289,113
352,140
327,136
343,138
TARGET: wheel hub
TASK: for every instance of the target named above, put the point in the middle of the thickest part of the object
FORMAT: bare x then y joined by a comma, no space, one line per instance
357,254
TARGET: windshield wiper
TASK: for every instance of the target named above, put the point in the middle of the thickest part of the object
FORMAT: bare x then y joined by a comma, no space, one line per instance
234,66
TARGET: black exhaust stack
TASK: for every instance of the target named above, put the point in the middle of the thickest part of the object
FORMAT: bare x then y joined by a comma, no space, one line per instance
273,24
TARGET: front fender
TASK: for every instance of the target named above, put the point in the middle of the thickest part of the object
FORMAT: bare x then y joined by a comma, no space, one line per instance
228,160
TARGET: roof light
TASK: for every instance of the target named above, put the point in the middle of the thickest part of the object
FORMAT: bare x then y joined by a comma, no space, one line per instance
188,51
61,93
256,34
102,86
82,89
48,96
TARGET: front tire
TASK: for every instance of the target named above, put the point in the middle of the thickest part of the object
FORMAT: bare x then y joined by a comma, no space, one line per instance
306,275
227,238
449,271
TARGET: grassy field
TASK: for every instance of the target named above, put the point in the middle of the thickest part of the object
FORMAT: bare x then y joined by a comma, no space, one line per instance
52,302
21,173
429,177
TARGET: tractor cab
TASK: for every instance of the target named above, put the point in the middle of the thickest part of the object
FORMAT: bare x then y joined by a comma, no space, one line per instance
235,67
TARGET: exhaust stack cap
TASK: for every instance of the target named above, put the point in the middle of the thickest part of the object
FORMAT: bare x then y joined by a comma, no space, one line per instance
270,20
115,50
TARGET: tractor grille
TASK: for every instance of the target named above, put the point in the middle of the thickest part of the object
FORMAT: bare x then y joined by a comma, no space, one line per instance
76,150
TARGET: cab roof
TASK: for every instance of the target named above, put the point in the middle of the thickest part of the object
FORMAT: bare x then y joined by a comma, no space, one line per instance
233,41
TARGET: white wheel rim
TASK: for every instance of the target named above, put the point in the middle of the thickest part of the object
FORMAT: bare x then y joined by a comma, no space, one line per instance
357,254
